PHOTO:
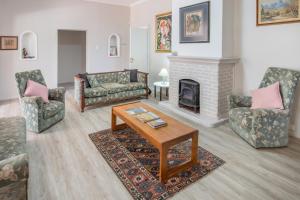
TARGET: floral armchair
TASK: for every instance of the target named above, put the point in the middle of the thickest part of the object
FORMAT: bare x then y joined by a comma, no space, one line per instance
265,127
39,115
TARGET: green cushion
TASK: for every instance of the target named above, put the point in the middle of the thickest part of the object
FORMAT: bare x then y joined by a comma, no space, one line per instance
95,92
96,80
52,108
124,77
113,88
135,86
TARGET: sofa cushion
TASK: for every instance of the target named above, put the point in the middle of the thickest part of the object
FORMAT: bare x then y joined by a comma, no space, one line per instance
113,88
135,86
124,77
13,137
96,80
52,108
95,92
242,117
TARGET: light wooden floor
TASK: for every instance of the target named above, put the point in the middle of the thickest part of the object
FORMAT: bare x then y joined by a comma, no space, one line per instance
65,165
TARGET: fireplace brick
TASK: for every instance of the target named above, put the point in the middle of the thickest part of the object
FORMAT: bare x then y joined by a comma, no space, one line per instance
215,77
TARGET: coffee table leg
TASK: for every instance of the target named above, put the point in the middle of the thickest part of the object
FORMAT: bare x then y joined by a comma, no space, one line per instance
195,148
163,165
113,121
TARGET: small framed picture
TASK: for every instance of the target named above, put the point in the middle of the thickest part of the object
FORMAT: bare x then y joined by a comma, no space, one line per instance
163,33
270,12
194,23
8,43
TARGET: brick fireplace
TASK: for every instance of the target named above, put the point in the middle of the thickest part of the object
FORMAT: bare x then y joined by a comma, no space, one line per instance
215,77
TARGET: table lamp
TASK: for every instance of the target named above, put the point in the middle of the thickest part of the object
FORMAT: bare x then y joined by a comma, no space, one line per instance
164,74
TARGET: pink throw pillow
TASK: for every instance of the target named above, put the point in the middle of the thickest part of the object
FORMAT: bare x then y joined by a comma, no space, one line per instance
267,98
36,89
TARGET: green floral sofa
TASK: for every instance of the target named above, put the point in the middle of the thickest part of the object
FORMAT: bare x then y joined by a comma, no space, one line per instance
39,115
265,127
13,159
108,87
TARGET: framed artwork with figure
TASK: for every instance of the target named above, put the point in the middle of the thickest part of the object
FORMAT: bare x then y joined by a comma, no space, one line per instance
270,12
195,23
8,43
163,32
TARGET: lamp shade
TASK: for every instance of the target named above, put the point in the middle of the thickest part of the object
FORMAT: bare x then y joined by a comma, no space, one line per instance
164,72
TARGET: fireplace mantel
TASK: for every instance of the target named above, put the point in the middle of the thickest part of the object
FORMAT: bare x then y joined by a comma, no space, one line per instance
201,60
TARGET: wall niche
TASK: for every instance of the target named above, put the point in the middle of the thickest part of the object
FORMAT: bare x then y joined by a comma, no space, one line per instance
28,44
114,45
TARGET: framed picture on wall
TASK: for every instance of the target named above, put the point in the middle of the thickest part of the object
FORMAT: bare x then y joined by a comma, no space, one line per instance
8,43
270,12
163,33
195,23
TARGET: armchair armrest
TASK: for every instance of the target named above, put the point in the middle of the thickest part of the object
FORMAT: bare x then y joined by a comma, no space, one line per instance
36,101
13,170
57,94
239,101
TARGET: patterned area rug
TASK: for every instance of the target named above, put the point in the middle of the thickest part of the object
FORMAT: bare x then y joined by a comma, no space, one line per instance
136,162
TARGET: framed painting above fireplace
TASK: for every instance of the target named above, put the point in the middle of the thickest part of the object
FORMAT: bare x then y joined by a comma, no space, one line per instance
195,23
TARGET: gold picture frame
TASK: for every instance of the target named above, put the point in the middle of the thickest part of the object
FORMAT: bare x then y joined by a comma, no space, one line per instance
270,12
163,33
8,42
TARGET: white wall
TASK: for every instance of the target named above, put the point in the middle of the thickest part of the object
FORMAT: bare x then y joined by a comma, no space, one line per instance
221,30
71,54
45,18
262,47
144,15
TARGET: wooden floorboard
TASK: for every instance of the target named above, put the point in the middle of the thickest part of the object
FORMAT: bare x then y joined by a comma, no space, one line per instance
65,165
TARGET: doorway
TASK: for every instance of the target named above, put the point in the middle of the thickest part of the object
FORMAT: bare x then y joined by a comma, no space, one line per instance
71,55
139,48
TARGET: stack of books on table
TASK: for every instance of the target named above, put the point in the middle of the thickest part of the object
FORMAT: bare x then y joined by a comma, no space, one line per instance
144,116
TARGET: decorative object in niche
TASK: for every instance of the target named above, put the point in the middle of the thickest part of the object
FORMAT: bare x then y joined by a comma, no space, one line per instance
163,32
195,23
8,43
114,45
28,46
277,11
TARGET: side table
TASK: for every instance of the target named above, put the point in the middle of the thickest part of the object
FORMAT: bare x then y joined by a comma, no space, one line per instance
161,85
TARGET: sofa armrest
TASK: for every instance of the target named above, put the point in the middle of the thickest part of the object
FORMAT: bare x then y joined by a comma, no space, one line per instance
57,94
79,87
239,101
142,77
13,170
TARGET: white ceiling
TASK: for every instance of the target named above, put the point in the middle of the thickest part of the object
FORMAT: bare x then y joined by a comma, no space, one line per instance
118,2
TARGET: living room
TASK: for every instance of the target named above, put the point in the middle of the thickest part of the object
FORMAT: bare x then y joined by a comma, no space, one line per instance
149,99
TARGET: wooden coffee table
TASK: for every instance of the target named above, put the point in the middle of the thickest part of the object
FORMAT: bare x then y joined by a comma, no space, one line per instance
162,138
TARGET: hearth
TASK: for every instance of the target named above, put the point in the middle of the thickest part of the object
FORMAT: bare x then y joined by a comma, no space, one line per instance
189,95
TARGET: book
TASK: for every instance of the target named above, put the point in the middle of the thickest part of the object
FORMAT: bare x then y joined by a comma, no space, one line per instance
147,117
136,111
157,123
